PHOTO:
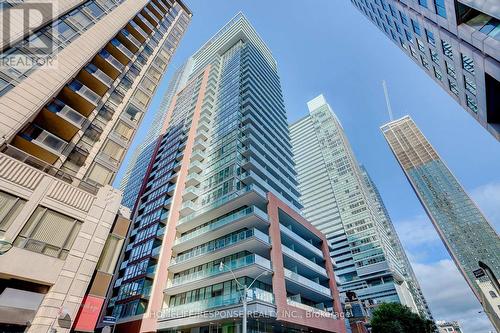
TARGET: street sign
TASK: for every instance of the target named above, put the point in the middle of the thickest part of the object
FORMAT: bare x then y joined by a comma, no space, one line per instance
479,273
109,320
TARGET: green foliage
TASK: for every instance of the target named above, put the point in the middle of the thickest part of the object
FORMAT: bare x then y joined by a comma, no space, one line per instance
397,318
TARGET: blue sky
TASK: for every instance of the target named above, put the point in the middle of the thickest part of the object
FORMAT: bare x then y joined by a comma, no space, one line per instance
326,46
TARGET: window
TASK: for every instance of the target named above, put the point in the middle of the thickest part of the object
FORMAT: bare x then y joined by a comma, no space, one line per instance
438,74
398,28
425,63
10,207
409,37
450,70
421,45
48,232
453,87
113,150
141,98
447,50
430,37
493,294
422,3
100,175
467,64
123,130
393,11
403,45
63,31
79,20
404,19
471,103
470,85
416,27
434,56
110,254
413,51
440,8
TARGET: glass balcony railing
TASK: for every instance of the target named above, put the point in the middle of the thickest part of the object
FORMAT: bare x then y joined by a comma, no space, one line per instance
146,22
151,270
194,308
66,112
221,201
138,29
310,308
112,60
248,260
300,240
100,75
219,223
298,257
307,282
220,244
131,38
44,138
123,49
85,92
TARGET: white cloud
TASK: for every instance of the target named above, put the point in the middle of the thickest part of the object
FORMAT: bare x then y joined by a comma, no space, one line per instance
417,231
449,296
487,197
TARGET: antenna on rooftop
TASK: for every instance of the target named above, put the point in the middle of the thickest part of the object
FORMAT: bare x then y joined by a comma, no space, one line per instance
387,101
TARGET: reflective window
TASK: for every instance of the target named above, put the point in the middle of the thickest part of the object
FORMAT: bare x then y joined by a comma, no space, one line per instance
430,37
468,64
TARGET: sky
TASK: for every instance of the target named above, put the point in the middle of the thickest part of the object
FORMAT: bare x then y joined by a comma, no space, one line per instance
328,47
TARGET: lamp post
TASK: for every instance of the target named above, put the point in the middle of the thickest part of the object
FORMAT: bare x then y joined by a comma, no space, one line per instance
245,289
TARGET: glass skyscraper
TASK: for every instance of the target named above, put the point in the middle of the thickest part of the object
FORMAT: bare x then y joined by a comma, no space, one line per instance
456,43
341,200
218,208
466,233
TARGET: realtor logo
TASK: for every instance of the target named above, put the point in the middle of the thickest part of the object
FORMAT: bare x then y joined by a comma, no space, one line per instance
18,19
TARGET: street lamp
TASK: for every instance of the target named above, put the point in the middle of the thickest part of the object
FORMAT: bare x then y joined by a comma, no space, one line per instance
245,289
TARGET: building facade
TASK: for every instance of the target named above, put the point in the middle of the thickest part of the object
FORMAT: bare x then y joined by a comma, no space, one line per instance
340,200
449,327
79,114
467,235
73,90
138,164
457,43
218,211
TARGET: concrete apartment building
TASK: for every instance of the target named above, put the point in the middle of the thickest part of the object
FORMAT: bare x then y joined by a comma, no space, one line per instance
218,211
465,232
449,327
457,43
341,200
73,90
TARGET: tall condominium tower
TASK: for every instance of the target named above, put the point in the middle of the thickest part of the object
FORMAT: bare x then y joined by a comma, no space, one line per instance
138,164
216,225
466,233
457,43
341,201
73,88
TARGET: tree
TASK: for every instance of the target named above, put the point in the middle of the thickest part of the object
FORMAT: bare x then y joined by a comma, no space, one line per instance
397,318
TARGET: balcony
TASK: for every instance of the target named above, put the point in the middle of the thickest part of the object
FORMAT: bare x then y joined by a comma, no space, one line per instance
251,265
202,134
197,155
199,144
305,286
80,97
297,240
151,271
40,143
195,167
305,264
190,193
222,301
129,40
137,31
250,217
252,240
144,24
155,253
106,113
308,308
60,119
109,64
193,179
187,208
119,51
150,16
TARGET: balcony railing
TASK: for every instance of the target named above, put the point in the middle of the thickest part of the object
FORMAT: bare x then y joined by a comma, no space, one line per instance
307,282
44,138
116,43
307,262
219,223
131,38
85,92
193,308
220,244
233,265
66,112
310,308
103,77
112,60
